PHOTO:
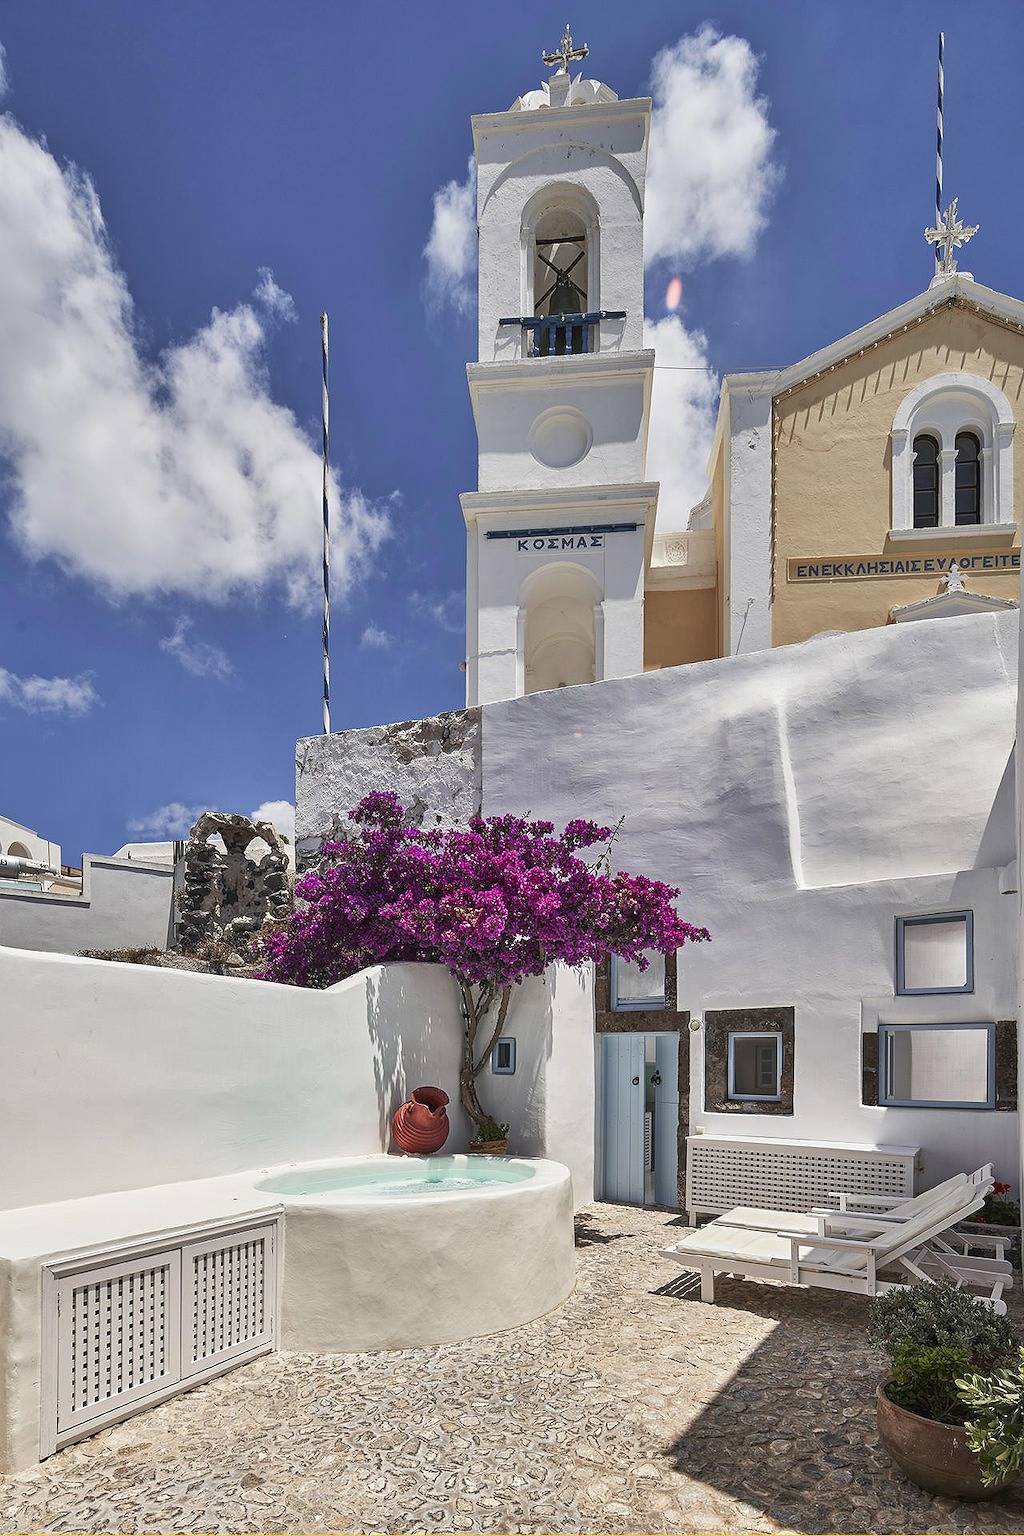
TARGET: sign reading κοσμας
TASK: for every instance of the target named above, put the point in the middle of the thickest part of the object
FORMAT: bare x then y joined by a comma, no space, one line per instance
861,567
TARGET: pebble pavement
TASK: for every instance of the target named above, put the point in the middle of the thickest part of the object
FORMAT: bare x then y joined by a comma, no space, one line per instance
634,1407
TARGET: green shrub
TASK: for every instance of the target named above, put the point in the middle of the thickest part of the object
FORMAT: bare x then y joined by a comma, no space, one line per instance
995,1430
924,1381
490,1130
926,1316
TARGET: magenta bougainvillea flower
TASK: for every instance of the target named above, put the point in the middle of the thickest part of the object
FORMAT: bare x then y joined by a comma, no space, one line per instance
495,902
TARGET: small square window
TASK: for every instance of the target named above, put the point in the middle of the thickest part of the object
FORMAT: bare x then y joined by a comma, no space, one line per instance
633,988
755,1065
935,953
937,1066
503,1057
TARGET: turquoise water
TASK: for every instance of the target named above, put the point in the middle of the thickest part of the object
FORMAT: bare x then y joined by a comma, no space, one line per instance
399,1176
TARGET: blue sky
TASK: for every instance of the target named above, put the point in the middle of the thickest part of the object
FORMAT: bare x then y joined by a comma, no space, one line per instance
157,642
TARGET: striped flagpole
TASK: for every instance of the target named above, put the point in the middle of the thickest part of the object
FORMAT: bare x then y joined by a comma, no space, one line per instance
327,533
938,157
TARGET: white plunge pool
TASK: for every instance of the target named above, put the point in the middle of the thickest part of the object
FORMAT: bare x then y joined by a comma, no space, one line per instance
389,1252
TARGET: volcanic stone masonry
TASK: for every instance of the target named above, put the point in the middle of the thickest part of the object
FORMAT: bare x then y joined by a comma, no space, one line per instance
228,896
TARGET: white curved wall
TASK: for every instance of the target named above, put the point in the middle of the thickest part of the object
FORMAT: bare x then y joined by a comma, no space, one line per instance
120,1076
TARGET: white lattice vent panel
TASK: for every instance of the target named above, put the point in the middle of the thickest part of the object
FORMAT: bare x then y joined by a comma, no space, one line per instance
225,1303
117,1337
724,1172
120,1336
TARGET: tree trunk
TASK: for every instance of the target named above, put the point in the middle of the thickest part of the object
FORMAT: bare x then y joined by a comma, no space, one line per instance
475,1007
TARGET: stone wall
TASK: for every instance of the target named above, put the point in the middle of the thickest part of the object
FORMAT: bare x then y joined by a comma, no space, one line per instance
433,765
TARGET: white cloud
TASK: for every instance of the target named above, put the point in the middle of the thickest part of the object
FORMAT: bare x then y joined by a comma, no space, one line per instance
450,250
48,695
448,609
197,656
177,819
280,814
273,298
710,173
182,475
172,820
376,639
683,405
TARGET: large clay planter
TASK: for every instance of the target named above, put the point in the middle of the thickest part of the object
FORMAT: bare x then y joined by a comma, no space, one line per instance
490,1148
421,1125
934,1456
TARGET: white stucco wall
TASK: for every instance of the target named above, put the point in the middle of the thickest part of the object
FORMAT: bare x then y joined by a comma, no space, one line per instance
802,798
746,579
123,903
118,1076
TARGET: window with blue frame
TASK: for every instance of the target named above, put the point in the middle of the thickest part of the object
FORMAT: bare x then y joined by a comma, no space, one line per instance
503,1056
755,1065
935,953
937,1066
632,988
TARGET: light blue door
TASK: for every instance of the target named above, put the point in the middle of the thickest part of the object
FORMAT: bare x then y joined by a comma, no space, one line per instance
666,1119
622,1118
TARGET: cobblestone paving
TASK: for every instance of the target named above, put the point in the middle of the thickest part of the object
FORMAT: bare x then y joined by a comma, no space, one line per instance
633,1408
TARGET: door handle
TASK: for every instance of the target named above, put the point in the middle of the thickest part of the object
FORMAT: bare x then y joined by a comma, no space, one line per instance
656,1080
635,1081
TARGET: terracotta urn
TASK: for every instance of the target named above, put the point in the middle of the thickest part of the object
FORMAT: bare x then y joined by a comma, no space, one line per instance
421,1124
934,1456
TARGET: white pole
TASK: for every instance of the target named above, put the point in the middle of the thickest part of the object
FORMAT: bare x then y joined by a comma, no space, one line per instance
327,532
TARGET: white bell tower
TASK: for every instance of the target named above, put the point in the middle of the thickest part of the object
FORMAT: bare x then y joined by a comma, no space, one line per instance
559,532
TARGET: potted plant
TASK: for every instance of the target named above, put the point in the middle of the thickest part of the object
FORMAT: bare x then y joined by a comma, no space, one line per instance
995,1430
496,901
491,1137
936,1335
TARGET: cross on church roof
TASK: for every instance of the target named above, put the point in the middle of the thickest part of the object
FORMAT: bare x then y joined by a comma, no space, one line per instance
565,55
948,233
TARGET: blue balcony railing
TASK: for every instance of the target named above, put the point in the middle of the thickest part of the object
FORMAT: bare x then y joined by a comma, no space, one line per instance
562,335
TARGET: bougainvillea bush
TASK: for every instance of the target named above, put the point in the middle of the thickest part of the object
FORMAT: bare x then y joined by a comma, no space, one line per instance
496,901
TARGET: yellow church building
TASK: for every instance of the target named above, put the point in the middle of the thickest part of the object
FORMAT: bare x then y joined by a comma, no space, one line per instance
871,483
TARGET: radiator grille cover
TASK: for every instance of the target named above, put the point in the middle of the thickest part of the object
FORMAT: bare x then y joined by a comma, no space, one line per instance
125,1334
224,1311
117,1336
723,1172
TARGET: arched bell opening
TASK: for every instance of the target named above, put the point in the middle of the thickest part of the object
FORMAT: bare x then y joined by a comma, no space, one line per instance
560,277
560,243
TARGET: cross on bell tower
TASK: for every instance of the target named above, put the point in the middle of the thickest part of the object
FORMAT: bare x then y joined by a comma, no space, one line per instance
948,233
566,54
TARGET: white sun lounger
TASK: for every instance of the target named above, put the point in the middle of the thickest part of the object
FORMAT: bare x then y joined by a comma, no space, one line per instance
856,1216
847,1211
887,1253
